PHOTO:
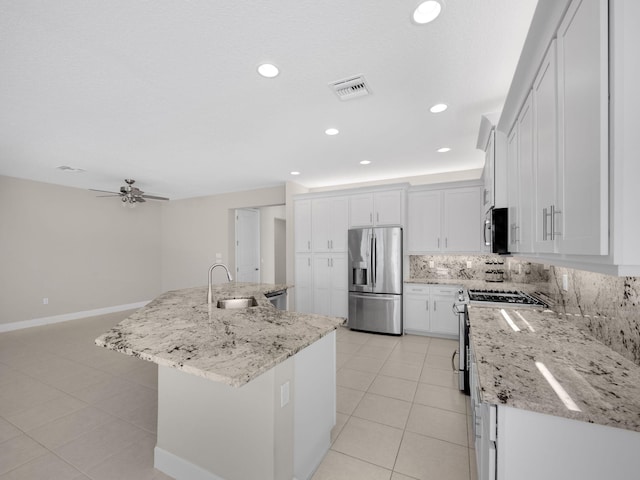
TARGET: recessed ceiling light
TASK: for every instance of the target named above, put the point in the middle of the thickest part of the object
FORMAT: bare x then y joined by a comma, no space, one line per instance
268,70
443,150
332,131
427,12
365,162
295,173
438,107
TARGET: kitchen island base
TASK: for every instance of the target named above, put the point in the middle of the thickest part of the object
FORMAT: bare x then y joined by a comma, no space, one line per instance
277,426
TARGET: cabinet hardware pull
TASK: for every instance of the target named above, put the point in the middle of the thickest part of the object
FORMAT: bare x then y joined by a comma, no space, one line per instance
446,242
553,222
328,262
435,306
544,223
308,244
308,262
427,302
370,217
377,217
438,242
453,363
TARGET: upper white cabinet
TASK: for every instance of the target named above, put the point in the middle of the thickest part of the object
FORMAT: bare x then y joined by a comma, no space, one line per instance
488,173
381,208
513,190
302,223
583,102
444,220
329,224
525,175
545,127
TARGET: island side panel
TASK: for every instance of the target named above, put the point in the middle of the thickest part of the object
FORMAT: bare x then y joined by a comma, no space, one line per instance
217,431
315,396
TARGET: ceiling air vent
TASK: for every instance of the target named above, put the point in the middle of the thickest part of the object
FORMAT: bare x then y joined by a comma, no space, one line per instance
352,87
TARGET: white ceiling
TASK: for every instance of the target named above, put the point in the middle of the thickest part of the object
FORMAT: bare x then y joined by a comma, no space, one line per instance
166,91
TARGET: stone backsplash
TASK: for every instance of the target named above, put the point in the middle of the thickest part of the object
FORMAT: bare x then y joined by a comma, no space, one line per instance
608,307
476,267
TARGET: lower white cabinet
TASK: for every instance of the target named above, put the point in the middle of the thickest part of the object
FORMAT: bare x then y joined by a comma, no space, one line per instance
330,288
303,283
428,310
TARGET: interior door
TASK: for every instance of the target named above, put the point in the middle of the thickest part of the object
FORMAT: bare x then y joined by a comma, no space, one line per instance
248,245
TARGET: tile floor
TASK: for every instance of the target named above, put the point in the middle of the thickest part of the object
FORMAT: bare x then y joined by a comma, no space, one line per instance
71,410
400,415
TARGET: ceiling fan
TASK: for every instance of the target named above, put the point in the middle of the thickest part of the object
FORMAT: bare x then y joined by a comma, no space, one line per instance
130,194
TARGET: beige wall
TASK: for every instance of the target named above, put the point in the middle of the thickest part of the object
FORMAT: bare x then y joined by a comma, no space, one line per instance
79,251
195,229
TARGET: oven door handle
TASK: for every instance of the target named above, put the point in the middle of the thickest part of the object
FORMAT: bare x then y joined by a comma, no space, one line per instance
453,363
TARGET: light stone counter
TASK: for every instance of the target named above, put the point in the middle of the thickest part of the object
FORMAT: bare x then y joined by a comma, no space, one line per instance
233,346
603,384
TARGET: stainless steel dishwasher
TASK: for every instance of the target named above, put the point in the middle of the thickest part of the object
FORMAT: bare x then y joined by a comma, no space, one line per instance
278,299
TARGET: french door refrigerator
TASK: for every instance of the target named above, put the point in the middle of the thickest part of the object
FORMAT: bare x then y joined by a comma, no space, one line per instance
375,280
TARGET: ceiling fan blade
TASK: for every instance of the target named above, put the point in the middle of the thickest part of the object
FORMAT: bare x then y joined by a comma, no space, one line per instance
103,191
139,199
103,196
155,197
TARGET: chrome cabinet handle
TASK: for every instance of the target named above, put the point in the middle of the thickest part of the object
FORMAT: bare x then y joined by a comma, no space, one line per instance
553,222
378,217
370,217
427,302
435,306
438,242
308,262
453,364
446,242
308,244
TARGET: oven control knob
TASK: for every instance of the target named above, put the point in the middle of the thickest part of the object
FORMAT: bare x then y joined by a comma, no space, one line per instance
460,298
460,292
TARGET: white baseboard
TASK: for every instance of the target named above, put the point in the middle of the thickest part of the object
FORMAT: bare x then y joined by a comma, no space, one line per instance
179,468
37,322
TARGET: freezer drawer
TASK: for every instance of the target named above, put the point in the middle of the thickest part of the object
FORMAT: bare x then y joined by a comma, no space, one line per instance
371,312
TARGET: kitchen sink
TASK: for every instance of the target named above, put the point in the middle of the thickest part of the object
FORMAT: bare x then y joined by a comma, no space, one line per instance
229,303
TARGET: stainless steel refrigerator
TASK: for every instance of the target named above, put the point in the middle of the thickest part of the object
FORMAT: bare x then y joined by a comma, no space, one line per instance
375,280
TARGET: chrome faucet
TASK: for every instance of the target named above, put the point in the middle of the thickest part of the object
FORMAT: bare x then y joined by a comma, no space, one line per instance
209,295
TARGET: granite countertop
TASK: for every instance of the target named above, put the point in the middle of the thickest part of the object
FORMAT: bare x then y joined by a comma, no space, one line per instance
233,346
604,385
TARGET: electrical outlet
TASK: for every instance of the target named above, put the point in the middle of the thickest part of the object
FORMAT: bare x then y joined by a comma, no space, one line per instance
565,282
432,264
218,257
284,394
468,263
519,269
45,301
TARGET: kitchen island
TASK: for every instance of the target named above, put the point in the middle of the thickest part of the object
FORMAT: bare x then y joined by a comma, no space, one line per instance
243,393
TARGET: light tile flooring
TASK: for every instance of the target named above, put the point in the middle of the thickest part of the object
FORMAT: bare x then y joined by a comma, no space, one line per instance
400,415
71,410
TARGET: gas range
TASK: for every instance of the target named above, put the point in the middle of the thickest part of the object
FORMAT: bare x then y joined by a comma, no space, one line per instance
500,298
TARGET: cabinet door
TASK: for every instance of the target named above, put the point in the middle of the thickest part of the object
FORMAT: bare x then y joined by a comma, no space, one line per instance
304,284
424,221
361,210
462,222
302,225
322,284
338,223
582,226
388,208
339,286
329,224
525,177
443,320
513,192
488,173
545,102
416,313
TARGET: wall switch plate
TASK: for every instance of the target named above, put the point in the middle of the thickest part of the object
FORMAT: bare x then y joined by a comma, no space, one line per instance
284,394
565,282
432,264
218,257
468,263
45,301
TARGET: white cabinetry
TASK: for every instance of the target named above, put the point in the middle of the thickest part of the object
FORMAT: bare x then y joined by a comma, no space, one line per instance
380,208
303,283
428,310
488,173
520,174
545,107
329,224
302,225
445,220
330,289
583,94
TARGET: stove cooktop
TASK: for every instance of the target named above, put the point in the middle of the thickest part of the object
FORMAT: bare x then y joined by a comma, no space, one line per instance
502,297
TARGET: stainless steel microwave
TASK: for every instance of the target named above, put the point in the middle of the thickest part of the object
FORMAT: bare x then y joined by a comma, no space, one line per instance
496,231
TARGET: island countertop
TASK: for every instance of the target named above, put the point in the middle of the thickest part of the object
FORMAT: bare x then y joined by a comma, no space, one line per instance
604,385
233,346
